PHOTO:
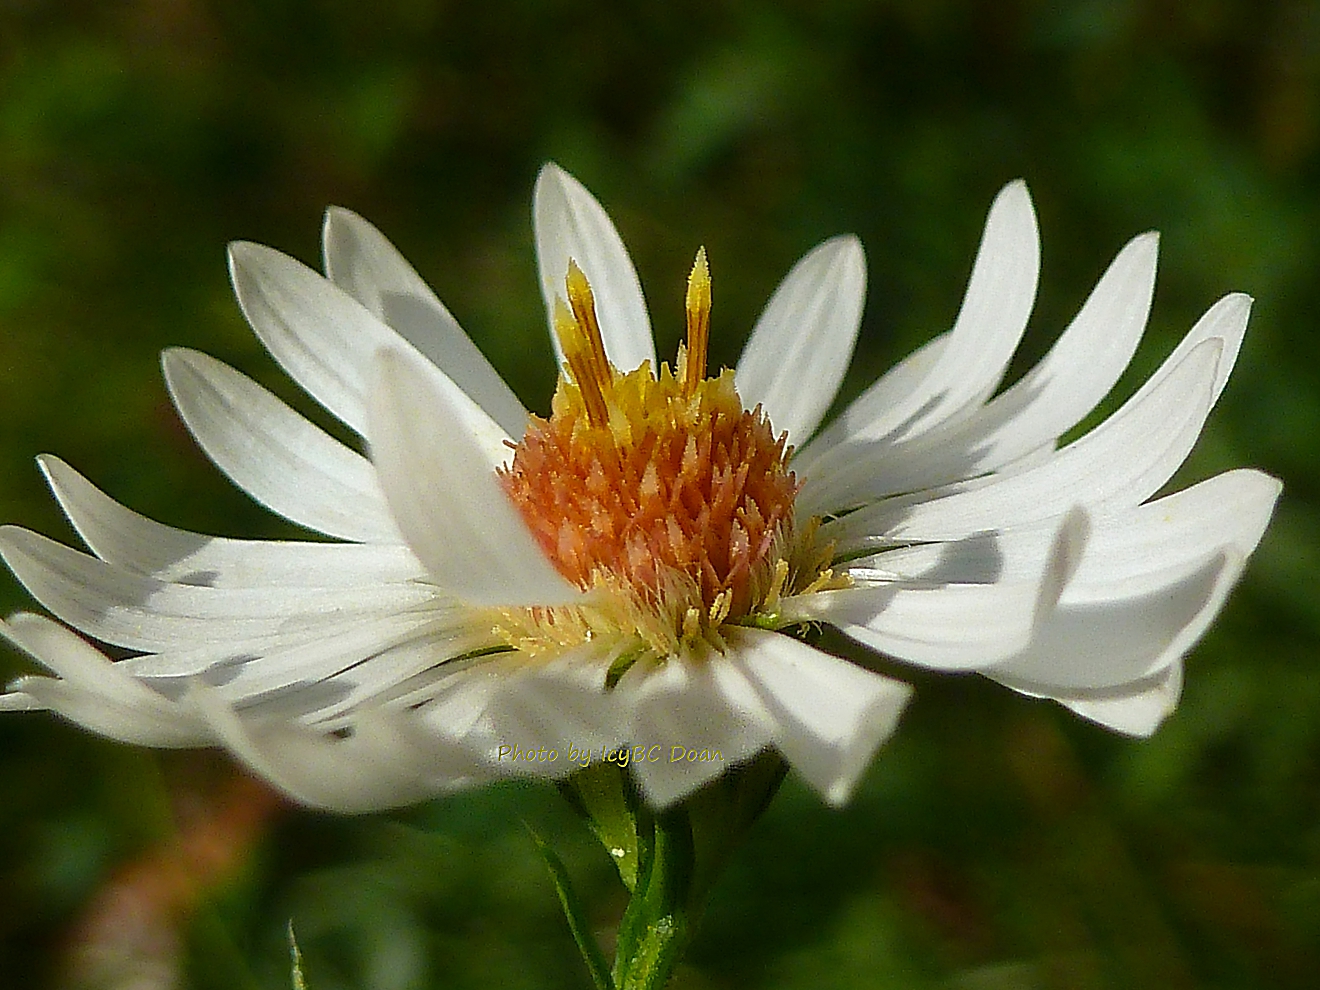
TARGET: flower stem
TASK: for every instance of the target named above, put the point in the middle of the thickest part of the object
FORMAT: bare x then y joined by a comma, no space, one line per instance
668,860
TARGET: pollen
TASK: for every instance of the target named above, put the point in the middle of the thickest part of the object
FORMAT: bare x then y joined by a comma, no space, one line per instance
656,485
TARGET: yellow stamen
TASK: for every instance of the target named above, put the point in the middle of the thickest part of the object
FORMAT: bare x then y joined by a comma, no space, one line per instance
577,348
698,323
583,302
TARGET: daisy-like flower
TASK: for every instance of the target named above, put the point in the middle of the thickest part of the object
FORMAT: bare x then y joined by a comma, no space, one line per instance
623,581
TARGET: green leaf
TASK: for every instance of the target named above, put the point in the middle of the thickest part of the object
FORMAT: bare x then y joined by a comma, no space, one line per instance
577,923
295,961
601,794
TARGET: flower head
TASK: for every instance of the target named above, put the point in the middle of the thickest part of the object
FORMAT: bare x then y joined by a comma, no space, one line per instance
626,581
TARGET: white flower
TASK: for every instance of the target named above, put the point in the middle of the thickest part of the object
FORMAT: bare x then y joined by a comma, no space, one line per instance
626,583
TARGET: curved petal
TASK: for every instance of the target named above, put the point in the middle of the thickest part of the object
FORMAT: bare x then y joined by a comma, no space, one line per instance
322,678
1135,631
275,455
830,715
94,692
550,719
361,261
1230,509
890,389
383,762
806,335
947,627
990,323
141,613
446,498
1054,396
1134,709
1146,588
692,720
131,541
934,622
570,224
327,341
1119,464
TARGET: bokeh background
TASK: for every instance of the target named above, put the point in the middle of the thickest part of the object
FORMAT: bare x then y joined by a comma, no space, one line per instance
997,842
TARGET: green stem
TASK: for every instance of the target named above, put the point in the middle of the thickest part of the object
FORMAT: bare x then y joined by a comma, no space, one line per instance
668,860
656,927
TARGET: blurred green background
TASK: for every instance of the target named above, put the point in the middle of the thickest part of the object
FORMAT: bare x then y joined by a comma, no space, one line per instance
996,842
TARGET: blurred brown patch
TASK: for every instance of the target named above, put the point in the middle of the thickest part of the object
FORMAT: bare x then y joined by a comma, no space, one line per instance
130,935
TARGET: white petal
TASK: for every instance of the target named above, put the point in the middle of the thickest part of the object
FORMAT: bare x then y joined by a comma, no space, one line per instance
692,720
889,390
1131,633
949,627
1079,370
558,710
93,691
131,541
1118,464
1230,509
275,455
570,224
956,626
830,715
385,762
329,673
801,345
362,262
1226,322
141,613
445,496
990,323
327,341
1147,586
1135,709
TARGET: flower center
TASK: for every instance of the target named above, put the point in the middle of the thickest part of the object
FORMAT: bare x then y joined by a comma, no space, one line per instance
660,489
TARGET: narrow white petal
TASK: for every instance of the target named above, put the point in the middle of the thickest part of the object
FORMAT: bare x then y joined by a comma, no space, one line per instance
570,224
1135,709
327,341
1119,464
547,720
692,720
1132,632
1226,322
126,539
275,455
830,715
93,691
931,621
801,345
1231,509
138,612
384,762
361,261
329,669
1082,366
947,627
16,701
445,496
1148,585
990,323
889,390
1079,370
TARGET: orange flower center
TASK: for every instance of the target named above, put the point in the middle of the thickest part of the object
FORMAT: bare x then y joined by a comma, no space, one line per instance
661,486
